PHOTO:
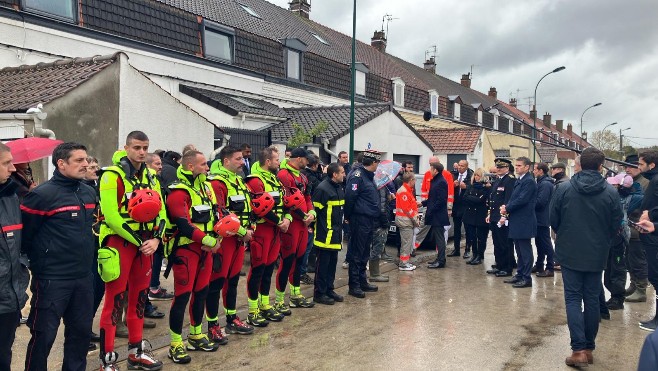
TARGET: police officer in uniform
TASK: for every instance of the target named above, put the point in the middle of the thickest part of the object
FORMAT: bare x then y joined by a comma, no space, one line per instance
361,209
501,191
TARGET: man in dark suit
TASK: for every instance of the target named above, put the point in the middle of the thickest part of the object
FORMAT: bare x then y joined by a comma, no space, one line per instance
436,215
246,155
522,221
501,191
462,180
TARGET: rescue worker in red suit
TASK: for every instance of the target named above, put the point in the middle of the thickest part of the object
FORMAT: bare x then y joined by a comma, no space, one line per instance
294,241
135,237
266,244
232,196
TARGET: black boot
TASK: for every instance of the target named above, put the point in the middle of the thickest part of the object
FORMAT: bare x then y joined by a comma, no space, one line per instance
356,292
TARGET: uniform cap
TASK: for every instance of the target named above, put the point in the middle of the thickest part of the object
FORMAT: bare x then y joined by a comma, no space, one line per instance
371,153
503,162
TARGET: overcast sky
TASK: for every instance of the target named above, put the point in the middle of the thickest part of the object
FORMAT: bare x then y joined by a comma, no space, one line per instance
609,49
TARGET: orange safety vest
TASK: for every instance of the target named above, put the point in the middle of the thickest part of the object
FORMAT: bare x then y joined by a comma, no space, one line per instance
405,202
425,187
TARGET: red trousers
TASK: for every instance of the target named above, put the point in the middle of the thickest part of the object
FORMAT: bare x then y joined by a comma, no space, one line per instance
192,268
293,247
264,249
225,279
135,274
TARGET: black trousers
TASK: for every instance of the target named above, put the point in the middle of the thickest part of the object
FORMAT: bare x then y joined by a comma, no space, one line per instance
476,237
503,248
544,249
52,301
325,271
525,259
614,275
9,323
652,263
358,249
439,240
457,229
636,260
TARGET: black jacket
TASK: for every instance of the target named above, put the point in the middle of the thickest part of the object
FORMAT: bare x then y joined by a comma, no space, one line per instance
501,192
650,201
361,195
314,178
14,277
328,201
169,173
475,204
545,189
585,214
459,206
437,202
58,216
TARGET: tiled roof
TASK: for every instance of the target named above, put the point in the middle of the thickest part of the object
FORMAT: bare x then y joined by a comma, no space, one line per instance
418,122
454,141
547,153
232,104
337,119
26,86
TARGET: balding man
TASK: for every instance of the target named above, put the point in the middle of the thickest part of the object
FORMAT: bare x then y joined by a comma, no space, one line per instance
462,180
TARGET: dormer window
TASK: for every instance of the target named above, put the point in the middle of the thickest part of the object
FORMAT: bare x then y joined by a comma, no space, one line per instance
398,92
218,42
61,9
361,72
294,56
434,102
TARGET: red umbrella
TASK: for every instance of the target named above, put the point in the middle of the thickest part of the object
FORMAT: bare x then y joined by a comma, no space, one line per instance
32,148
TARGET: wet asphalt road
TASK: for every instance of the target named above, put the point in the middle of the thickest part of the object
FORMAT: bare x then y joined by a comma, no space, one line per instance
457,318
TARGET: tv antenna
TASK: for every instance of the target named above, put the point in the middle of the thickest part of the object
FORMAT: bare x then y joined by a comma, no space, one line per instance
388,18
430,53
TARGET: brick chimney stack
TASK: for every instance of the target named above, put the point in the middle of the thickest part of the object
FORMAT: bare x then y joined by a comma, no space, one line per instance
533,113
547,120
430,65
300,7
378,41
493,93
512,102
559,124
466,80
569,129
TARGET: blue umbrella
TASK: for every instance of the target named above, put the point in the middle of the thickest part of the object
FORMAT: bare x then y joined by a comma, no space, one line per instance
386,172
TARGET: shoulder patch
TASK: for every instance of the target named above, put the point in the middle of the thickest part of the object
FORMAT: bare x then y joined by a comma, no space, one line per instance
357,173
355,186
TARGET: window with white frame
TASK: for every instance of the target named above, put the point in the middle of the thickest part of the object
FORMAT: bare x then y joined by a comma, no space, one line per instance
293,64
360,87
63,9
398,92
434,102
218,42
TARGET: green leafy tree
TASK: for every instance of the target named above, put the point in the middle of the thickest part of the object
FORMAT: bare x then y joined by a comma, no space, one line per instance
607,141
301,135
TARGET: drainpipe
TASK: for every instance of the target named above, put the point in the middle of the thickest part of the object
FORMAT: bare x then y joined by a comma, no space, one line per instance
325,143
242,121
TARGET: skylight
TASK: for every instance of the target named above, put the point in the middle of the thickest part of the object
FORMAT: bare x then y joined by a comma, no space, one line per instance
249,10
246,102
320,39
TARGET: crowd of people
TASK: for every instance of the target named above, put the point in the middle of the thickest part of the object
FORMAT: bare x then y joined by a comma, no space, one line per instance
293,216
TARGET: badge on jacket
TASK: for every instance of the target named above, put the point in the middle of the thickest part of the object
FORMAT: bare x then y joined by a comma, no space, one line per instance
354,186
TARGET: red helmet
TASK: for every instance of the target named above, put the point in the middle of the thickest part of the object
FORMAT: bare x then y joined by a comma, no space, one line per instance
262,204
294,199
227,226
144,205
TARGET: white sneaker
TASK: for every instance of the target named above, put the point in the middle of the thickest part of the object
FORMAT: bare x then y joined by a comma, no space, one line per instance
407,267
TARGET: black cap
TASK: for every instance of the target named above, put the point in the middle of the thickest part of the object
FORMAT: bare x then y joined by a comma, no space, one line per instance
503,162
371,153
632,159
300,152
559,165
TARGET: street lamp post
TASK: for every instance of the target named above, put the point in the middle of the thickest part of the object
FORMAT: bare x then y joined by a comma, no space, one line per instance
621,142
581,117
353,90
607,126
534,119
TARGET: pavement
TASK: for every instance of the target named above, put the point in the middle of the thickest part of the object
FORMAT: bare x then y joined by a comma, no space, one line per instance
456,318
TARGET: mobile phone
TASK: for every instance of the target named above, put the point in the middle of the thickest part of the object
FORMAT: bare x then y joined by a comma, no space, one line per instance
635,225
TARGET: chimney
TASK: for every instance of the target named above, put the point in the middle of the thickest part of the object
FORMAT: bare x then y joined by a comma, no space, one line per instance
559,124
569,129
378,41
493,93
533,113
547,120
300,7
466,80
430,65
512,102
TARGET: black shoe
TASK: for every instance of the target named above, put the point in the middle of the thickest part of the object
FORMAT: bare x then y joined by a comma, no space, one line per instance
153,314
493,266
522,283
324,299
357,292
615,304
535,269
467,254
332,294
368,287
503,274
91,347
435,261
95,338
436,265
475,261
513,280
454,253
306,279
493,271
605,316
